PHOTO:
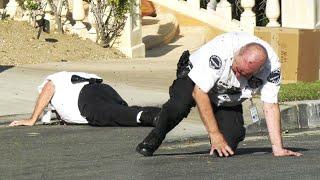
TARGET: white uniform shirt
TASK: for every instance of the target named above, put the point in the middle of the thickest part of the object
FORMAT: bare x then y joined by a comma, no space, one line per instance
213,74
66,95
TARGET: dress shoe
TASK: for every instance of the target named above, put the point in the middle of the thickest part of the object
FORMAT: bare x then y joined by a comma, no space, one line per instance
150,144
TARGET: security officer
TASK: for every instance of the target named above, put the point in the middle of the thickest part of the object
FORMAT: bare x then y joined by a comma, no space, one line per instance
218,78
82,98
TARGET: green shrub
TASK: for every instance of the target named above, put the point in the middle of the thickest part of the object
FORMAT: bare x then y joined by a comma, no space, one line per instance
300,91
110,17
31,4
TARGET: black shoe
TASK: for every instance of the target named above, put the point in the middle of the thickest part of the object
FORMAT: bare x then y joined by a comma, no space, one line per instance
150,144
149,116
145,149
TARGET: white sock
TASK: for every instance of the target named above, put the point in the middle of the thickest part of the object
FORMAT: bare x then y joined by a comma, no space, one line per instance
138,117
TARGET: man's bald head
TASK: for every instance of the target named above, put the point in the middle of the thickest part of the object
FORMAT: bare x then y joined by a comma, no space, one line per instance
249,59
254,53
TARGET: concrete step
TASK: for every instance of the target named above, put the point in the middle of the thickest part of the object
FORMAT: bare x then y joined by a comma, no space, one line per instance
171,33
159,30
190,38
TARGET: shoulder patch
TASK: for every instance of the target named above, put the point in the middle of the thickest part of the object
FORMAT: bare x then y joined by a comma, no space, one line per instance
215,62
274,76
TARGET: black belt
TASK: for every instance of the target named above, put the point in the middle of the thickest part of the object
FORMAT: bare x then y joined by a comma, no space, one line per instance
78,79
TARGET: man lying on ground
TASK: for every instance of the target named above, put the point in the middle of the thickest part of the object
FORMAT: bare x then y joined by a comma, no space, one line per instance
82,98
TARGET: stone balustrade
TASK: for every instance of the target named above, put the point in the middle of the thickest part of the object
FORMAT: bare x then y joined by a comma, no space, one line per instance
295,13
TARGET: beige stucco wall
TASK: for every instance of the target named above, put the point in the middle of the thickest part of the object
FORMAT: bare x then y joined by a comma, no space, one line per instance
299,52
300,13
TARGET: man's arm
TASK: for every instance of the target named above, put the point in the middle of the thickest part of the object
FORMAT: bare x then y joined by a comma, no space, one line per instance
206,113
42,102
272,115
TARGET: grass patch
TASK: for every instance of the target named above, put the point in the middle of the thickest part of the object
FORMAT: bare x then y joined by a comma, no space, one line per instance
300,91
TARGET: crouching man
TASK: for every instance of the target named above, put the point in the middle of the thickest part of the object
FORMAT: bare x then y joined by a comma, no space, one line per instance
218,78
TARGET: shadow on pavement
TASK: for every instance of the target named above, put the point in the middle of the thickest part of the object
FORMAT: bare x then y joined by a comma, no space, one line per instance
245,151
165,50
183,154
240,151
3,68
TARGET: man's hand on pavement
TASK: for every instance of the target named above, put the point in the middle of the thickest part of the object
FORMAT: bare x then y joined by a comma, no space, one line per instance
25,122
278,152
219,144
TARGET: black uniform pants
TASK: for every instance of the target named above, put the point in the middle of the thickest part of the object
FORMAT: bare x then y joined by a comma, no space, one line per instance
229,119
103,106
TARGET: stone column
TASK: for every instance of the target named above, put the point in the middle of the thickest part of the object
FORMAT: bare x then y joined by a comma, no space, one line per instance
130,42
248,17
66,25
224,9
92,33
49,17
300,14
273,12
78,15
212,5
11,8
194,3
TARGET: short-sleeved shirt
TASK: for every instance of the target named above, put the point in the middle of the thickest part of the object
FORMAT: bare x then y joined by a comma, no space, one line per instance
66,95
213,74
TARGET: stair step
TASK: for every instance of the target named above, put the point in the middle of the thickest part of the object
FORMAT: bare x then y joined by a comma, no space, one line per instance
160,30
190,38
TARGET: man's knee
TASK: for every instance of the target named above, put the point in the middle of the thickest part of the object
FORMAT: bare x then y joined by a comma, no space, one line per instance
178,109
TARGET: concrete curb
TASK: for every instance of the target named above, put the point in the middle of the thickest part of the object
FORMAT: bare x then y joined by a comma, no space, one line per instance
298,115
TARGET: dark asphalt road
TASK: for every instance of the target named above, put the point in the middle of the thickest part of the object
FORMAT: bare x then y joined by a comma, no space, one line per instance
83,152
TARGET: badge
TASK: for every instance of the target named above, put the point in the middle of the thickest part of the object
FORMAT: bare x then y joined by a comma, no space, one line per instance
254,112
254,82
215,62
274,76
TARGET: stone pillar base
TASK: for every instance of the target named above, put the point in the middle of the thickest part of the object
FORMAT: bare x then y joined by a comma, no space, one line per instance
11,8
138,51
50,22
80,29
92,34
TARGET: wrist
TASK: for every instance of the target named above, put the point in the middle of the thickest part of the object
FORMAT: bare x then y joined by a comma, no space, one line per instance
31,121
276,148
214,133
